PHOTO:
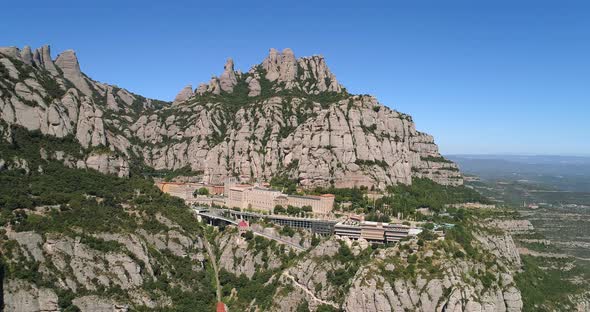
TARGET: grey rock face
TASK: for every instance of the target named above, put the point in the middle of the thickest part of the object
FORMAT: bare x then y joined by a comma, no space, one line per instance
12,71
286,69
202,88
90,126
281,66
184,94
451,292
321,136
30,241
348,143
21,296
11,51
71,264
228,80
97,304
108,164
27,55
68,63
254,87
43,59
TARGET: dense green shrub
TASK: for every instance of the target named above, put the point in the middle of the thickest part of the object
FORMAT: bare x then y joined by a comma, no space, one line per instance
257,288
201,191
284,183
546,286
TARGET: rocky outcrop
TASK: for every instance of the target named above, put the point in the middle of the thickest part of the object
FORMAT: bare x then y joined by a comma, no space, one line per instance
97,304
311,273
448,294
21,296
228,80
68,63
237,258
90,126
85,265
42,58
405,277
345,141
453,289
107,163
502,246
37,98
310,74
287,116
254,87
513,226
353,142
27,55
184,94
13,52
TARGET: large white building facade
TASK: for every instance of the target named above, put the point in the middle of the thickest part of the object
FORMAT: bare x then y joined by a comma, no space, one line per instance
255,197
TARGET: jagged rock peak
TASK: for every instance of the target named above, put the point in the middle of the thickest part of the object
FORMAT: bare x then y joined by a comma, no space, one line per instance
281,66
283,70
44,59
13,52
310,74
40,58
27,55
68,56
228,80
67,61
184,94
342,140
229,65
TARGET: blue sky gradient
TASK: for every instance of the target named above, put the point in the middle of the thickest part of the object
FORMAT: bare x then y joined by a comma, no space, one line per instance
481,76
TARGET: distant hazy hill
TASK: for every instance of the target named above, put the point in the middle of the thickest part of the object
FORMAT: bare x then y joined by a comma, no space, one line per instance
570,173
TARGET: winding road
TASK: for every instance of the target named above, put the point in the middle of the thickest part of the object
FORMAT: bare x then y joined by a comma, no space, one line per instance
214,215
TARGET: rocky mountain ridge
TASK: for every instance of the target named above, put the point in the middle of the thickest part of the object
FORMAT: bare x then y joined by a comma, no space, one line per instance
350,276
287,116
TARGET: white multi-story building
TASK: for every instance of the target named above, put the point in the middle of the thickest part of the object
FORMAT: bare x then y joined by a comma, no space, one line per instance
255,197
372,231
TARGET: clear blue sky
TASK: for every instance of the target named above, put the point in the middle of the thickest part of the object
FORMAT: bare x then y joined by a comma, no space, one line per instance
481,76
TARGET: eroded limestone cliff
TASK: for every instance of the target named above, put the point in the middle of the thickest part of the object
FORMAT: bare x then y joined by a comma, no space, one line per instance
286,115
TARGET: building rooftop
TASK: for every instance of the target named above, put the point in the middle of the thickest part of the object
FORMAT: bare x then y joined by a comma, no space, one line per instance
243,223
265,189
305,196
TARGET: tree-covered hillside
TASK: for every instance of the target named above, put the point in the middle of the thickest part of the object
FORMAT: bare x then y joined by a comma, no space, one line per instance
82,234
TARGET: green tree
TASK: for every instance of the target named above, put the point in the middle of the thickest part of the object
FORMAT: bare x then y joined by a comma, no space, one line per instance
249,235
306,209
291,210
201,191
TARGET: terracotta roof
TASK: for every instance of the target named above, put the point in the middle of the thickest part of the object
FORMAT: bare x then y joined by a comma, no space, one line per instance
242,223
220,307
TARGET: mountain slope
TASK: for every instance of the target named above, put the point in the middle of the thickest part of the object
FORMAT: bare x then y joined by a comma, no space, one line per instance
79,240
285,116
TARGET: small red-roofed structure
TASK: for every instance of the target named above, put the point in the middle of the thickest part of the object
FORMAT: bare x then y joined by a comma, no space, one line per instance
221,307
243,226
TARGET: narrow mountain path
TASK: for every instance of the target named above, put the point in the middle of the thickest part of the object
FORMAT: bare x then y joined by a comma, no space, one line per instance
308,292
215,268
